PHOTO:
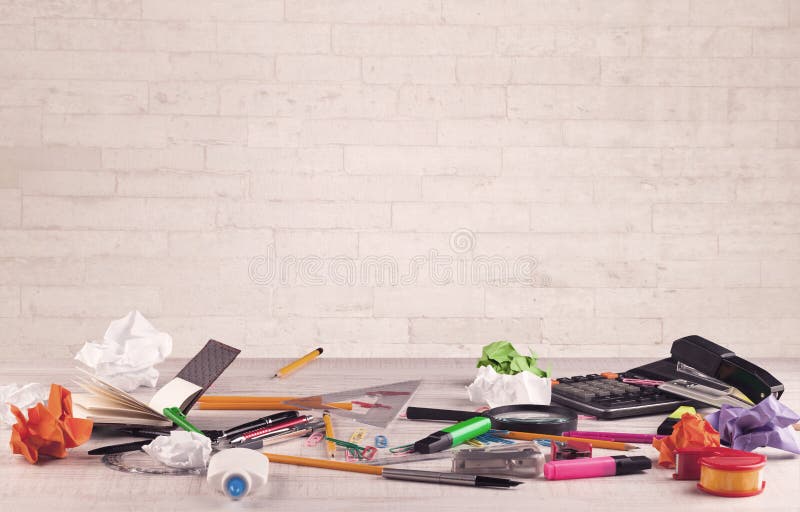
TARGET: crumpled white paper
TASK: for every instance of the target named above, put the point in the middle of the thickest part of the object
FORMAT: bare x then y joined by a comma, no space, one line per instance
494,389
180,449
127,353
24,397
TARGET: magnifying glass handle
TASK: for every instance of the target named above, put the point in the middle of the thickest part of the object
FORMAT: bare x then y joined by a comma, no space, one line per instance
423,413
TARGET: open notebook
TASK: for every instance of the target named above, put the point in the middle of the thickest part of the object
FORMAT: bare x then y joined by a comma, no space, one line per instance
108,405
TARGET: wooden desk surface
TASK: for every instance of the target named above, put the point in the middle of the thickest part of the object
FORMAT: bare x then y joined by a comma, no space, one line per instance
82,482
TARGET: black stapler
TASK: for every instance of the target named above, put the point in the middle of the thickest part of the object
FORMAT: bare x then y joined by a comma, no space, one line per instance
697,373
712,360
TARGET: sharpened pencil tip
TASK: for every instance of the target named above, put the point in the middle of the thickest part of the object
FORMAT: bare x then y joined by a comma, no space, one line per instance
630,447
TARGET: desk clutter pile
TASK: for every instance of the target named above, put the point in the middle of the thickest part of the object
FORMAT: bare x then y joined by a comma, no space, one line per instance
525,428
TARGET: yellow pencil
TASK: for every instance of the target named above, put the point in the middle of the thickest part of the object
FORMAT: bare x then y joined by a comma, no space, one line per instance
259,404
596,443
326,417
322,463
289,368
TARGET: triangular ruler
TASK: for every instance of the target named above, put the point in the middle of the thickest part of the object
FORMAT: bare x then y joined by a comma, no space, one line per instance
376,405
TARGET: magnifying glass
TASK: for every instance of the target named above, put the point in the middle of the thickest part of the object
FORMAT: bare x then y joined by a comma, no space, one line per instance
538,419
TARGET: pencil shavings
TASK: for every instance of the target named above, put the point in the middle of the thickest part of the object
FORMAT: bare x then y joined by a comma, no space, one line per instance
49,430
692,431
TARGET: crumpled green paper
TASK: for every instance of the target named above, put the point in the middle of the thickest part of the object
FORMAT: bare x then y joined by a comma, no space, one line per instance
504,358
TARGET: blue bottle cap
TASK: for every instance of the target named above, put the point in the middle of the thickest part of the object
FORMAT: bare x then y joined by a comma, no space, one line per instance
236,487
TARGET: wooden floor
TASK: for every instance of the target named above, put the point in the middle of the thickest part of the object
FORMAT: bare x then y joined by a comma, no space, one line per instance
82,482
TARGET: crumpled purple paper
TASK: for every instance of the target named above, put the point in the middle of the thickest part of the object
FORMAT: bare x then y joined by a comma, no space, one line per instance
767,424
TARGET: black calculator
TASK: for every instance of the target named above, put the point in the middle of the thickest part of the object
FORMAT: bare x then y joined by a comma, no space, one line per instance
606,397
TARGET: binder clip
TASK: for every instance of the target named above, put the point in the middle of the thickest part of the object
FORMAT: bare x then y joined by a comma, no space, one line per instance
570,450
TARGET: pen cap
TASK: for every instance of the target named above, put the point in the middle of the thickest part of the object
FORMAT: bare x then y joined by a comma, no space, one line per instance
237,472
627,465
453,435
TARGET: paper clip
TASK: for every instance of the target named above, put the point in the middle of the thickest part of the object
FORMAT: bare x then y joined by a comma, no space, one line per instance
352,451
343,444
358,435
315,438
402,449
360,454
474,442
381,441
369,452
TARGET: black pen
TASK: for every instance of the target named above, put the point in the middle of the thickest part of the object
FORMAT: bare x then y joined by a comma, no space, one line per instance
153,433
145,432
259,423
120,448
273,429
436,477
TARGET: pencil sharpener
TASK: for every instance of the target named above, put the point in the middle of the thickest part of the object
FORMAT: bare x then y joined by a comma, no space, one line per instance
560,450
688,460
511,460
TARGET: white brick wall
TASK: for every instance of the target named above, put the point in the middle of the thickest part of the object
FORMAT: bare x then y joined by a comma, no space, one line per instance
247,170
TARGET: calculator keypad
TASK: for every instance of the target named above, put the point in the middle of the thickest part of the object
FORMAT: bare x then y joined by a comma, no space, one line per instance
610,397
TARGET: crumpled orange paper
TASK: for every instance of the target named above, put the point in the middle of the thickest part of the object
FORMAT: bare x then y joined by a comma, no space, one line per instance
692,431
49,430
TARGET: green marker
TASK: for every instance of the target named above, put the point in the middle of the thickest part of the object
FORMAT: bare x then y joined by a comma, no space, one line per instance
453,436
179,419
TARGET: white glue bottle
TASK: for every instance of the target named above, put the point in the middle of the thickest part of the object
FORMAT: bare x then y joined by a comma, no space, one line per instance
237,472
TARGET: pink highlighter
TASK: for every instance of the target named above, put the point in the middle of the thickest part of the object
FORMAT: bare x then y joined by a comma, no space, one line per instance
596,466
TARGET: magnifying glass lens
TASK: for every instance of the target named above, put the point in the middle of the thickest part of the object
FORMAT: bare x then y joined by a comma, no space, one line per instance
533,417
